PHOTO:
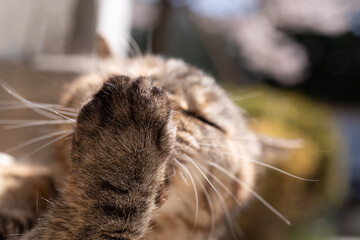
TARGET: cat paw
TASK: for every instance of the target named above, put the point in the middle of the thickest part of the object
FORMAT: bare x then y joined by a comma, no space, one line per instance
131,112
127,100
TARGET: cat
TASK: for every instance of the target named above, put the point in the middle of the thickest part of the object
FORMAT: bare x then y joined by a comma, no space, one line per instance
154,154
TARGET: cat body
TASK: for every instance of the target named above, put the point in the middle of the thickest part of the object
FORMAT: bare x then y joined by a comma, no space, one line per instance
155,154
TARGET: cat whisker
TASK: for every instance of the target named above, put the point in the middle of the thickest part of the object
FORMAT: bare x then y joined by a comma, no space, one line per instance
31,123
263,164
195,190
269,141
43,110
281,143
223,203
48,143
221,184
255,194
240,231
130,50
228,104
18,107
282,171
131,45
48,201
13,235
17,104
245,96
211,207
184,178
16,121
59,107
67,113
201,172
173,173
221,108
134,45
34,140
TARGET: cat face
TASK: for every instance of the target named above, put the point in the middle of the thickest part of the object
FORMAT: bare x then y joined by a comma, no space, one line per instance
210,173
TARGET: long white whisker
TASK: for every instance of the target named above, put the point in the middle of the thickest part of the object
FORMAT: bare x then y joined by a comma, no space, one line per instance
13,102
58,107
13,235
282,171
48,112
184,178
201,172
173,174
223,203
221,108
48,201
16,121
47,144
263,164
134,45
132,52
195,190
281,143
221,184
211,206
37,123
32,106
269,141
8,102
13,105
63,112
228,104
240,231
27,143
246,96
255,194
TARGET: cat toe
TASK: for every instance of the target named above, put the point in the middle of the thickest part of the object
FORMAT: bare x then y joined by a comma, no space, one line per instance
149,103
125,100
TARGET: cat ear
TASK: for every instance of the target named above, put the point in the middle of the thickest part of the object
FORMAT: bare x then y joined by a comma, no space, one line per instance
277,149
103,48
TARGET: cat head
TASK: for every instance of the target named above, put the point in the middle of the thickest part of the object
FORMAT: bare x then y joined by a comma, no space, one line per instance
211,174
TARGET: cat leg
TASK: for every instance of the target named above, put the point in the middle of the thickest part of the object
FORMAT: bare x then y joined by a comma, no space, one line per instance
24,190
122,141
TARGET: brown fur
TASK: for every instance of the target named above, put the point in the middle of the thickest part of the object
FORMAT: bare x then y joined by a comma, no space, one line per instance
141,126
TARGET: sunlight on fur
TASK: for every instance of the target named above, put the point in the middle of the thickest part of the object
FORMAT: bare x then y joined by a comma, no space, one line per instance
147,148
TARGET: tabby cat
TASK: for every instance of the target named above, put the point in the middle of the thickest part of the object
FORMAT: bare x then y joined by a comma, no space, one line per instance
154,154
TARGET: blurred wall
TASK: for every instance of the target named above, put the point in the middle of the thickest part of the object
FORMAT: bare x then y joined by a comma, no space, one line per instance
34,27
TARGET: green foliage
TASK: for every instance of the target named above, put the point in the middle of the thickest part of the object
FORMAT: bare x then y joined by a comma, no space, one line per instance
287,115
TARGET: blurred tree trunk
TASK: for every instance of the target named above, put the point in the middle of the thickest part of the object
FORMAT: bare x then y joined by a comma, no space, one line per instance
82,39
160,31
224,63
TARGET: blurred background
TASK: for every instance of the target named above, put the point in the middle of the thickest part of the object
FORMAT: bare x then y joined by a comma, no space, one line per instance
294,65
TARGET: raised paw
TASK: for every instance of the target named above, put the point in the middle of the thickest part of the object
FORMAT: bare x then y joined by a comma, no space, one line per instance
127,100
121,143
130,113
